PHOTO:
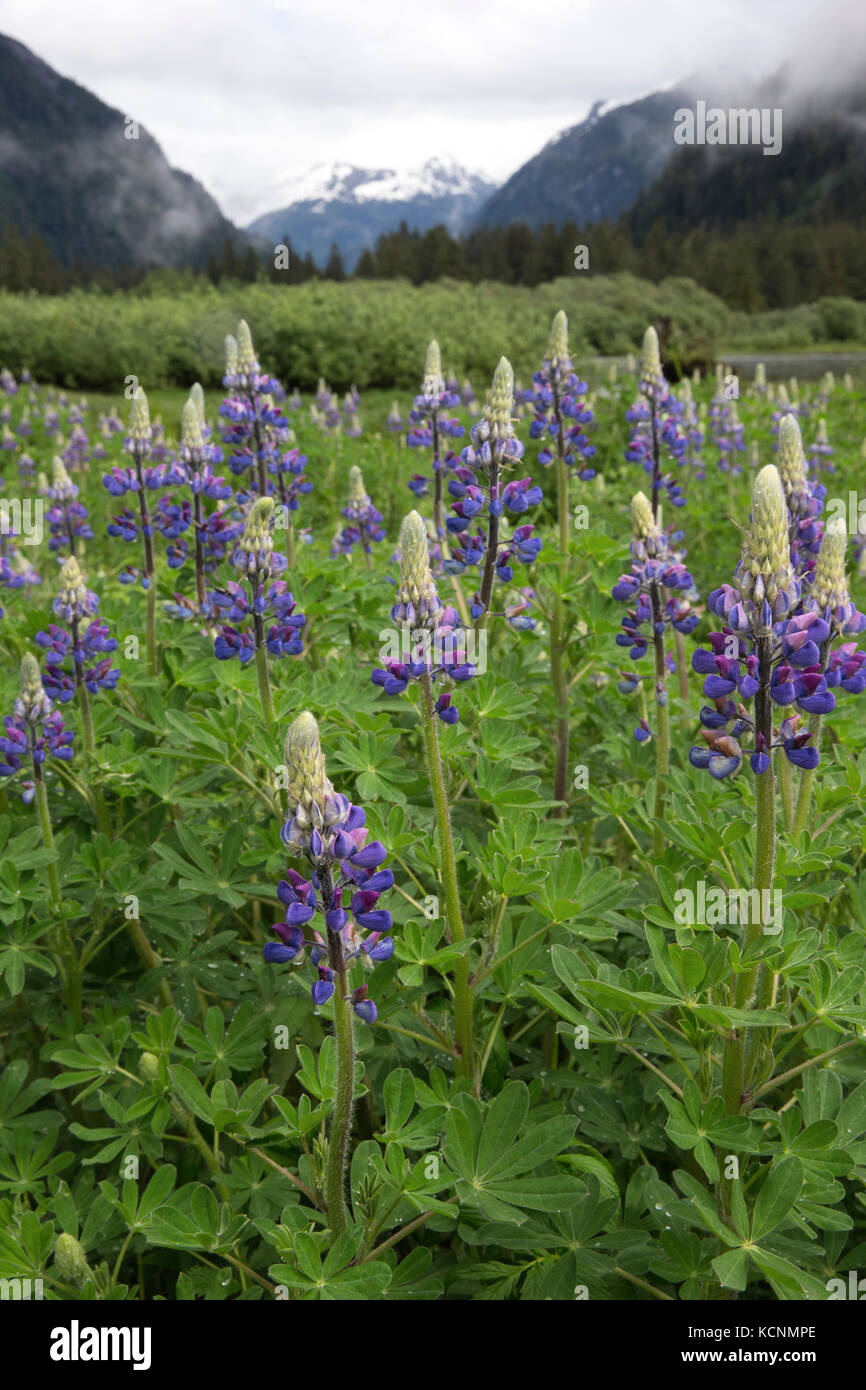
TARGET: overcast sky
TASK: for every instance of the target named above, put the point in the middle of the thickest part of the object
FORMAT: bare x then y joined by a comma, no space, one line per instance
241,92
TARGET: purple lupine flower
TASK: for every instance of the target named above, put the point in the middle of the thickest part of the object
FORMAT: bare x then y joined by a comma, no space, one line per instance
346,880
430,644
66,517
656,416
561,414
656,584
767,652
74,604
255,426
480,495
256,560
804,498
365,522
820,450
430,425
33,732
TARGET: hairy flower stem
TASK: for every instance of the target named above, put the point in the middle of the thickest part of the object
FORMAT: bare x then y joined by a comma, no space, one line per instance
149,567
762,879
657,463
454,916
682,665
662,726
262,674
89,742
492,551
199,549
786,787
341,1125
437,480
261,475
807,776
72,968
557,627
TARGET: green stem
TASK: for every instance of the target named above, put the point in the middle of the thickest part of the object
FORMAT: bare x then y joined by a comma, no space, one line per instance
454,916
786,786
762,879
807,777
151,627
557,627
72,966
47,836
262,675
662,726
341,1125
682,666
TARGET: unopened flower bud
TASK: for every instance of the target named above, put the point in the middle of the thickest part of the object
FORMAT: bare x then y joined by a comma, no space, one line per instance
139,421
417,596
557,343
70,1259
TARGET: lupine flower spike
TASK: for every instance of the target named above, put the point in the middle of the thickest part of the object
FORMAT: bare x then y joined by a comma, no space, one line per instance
845,668
429,425
66,517
494,448
435,649
364,521
430,643
326,832
269,597
561,413
655,416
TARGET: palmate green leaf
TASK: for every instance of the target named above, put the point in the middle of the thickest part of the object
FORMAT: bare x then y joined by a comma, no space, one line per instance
778,1193
732,1269
191,1092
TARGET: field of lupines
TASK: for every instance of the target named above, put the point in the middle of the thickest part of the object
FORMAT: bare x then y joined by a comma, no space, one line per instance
432,839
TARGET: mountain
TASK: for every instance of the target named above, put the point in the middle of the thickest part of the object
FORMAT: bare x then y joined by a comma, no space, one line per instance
69,173
816,179
593,171
352,207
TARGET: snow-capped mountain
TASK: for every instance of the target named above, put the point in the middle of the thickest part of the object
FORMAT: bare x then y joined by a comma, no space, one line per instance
340,203
595,169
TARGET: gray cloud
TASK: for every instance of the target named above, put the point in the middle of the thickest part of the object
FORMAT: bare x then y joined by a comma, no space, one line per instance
237,93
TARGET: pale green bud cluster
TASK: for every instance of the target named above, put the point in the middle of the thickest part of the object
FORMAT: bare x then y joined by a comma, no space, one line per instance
72,591
557,344
647,536
309,789
32,703
139,420
257,538
829,585
651,362
821,437
358,498
191,436
792,466
196,395
247,363
417,587
500,403
70,1260
434,382
765,570
760,375
62,486
231,355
